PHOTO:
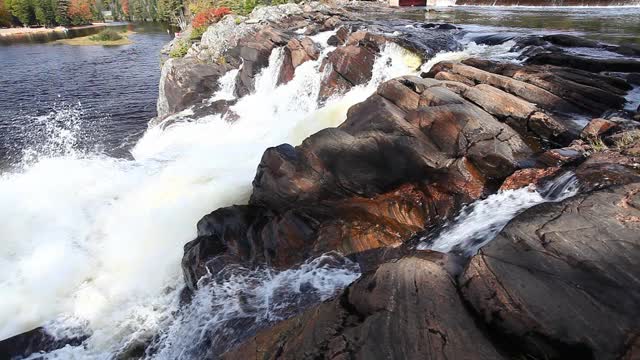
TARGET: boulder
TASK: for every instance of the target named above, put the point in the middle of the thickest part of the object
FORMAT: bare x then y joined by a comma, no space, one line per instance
407,157
597,128
339,38
570,41
407,309
349,66
255,51
531,93
33,342
607,168
529,177
297,52
185,82
561,280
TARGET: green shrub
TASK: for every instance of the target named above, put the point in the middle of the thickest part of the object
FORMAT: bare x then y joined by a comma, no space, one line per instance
106,35
196,33
597,145
180,49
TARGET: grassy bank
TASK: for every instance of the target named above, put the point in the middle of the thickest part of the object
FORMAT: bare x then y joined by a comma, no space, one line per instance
105,38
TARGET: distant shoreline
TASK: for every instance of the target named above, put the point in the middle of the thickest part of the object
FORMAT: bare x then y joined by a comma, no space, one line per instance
10,32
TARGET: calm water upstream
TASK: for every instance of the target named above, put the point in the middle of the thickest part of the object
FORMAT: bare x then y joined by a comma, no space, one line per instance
99,97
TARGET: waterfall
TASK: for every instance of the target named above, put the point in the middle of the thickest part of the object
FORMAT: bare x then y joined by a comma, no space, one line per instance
92,244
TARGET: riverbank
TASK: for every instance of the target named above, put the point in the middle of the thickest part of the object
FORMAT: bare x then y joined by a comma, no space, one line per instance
43,35
25,30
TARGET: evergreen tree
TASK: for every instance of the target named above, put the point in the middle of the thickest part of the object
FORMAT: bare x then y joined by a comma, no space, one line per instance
44,12
168,9
61,11
23,10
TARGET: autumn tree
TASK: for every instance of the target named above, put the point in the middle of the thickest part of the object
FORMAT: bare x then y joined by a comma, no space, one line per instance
80,12
5,15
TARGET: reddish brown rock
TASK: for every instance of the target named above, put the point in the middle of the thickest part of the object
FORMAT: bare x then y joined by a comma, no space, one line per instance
349,66
564,156
407,309
597,128
407,157
608,168
254,52
339,38
296,53
526,177
561,280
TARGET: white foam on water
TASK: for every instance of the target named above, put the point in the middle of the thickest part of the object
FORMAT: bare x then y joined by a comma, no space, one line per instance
480,222
494,52
93,244
633,99
227,84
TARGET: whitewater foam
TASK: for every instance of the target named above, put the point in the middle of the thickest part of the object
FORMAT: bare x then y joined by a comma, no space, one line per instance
480,222
93,244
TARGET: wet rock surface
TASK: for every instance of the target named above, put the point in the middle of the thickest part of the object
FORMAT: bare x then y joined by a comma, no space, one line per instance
408,309
561,276
185,82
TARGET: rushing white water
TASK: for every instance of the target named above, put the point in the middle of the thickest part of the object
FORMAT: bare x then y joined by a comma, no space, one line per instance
93,244
230,305
480,222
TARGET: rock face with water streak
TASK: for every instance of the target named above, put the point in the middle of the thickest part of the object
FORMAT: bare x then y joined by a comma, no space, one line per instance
562,280
185,82
408,309
407,157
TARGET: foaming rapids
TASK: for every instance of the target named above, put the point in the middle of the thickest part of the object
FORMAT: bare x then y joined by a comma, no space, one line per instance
232,304
92,244
480,222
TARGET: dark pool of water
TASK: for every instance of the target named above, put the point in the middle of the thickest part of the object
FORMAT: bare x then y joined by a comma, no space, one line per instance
90,98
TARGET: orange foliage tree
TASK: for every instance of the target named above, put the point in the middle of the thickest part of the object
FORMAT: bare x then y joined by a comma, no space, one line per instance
209,16
124,4
80,12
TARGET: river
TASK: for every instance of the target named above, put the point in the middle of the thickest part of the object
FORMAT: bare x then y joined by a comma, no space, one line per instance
96,207
104,95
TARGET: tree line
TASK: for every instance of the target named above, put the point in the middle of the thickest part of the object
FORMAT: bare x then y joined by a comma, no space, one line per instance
52,13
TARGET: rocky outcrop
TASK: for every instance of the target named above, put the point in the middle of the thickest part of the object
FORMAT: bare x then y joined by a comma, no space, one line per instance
409,309
185,82
561,280
254,52
351,64
407,157
34,341
405,161
297,52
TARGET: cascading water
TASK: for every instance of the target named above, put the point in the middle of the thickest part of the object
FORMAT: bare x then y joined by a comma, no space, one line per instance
92,244
480,222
